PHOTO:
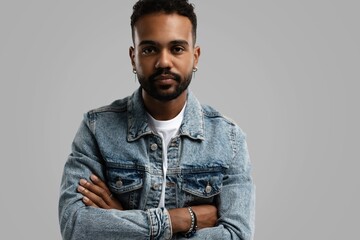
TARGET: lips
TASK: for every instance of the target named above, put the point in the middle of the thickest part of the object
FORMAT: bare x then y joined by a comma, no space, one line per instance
165,77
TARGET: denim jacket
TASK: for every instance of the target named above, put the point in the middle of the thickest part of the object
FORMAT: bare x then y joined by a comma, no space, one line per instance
208,163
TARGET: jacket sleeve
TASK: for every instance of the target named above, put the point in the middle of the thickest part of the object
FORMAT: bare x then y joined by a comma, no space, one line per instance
236,202
78,221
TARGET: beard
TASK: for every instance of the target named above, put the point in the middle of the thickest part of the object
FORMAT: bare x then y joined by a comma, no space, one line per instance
160,92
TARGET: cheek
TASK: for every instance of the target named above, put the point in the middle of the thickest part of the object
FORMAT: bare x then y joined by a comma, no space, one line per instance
144,67
187,68
185,64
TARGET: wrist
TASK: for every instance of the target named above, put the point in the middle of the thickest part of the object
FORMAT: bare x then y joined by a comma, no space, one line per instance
179,218
193,224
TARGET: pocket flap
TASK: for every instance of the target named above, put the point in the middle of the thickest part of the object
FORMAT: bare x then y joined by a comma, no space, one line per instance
122,180
203,184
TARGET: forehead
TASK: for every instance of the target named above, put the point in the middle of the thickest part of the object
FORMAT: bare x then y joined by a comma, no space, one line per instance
162,28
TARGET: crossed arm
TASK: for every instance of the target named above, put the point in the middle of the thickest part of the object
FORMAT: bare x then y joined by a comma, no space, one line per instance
96,215
97,194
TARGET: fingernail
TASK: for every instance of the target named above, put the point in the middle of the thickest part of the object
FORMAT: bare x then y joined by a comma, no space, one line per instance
93,177
85,199
82,181
80,188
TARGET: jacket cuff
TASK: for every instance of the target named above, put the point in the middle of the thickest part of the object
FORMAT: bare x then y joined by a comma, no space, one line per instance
160,223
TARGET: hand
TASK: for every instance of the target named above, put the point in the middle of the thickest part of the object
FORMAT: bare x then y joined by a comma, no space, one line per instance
97,194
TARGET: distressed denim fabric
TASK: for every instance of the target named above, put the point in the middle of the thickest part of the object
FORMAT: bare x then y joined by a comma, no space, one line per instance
208,163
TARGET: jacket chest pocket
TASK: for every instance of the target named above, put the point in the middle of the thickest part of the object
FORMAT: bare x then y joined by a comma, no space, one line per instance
125,183
201,186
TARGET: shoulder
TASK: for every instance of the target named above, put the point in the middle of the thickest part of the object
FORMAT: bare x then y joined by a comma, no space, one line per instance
108,116
117,106
211,113
221,121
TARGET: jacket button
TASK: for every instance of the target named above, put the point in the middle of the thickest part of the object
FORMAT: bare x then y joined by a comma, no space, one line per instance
153,146
119,183
208,189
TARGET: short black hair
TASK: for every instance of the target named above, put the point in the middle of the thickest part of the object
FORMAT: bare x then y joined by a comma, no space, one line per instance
181,7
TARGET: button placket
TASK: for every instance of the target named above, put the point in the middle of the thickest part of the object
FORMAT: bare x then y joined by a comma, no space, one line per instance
157,187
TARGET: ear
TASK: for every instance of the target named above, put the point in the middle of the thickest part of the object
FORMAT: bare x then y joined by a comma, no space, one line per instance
197,52
132,56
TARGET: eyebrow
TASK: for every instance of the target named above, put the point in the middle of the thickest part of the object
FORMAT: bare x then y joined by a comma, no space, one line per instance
174,42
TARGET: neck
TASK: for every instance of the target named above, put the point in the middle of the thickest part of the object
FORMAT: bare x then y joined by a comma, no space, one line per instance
164,110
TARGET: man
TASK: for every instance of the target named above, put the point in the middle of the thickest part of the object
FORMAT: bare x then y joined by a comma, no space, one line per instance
157,164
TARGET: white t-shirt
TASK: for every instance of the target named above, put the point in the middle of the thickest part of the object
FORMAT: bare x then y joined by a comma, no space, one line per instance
166,130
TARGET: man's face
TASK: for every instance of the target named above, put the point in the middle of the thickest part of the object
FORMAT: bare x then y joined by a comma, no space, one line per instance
164,54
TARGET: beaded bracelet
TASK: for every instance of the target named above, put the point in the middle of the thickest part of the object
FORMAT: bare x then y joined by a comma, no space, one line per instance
193,225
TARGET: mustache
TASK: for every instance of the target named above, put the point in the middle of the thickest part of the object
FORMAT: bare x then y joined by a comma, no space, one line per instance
163,71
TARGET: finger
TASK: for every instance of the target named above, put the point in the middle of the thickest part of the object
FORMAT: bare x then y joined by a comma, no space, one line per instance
100,191
107,196
93,197
97,181
96,195
89,203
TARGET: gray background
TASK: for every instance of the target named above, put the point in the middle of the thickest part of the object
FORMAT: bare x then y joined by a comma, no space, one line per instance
286,71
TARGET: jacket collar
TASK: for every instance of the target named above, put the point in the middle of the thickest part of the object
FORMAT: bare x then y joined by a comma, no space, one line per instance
192,125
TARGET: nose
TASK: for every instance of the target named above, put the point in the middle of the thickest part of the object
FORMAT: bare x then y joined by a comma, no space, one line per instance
164,60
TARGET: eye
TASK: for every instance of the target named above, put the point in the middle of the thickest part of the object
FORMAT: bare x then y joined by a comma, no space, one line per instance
148,50
178,49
